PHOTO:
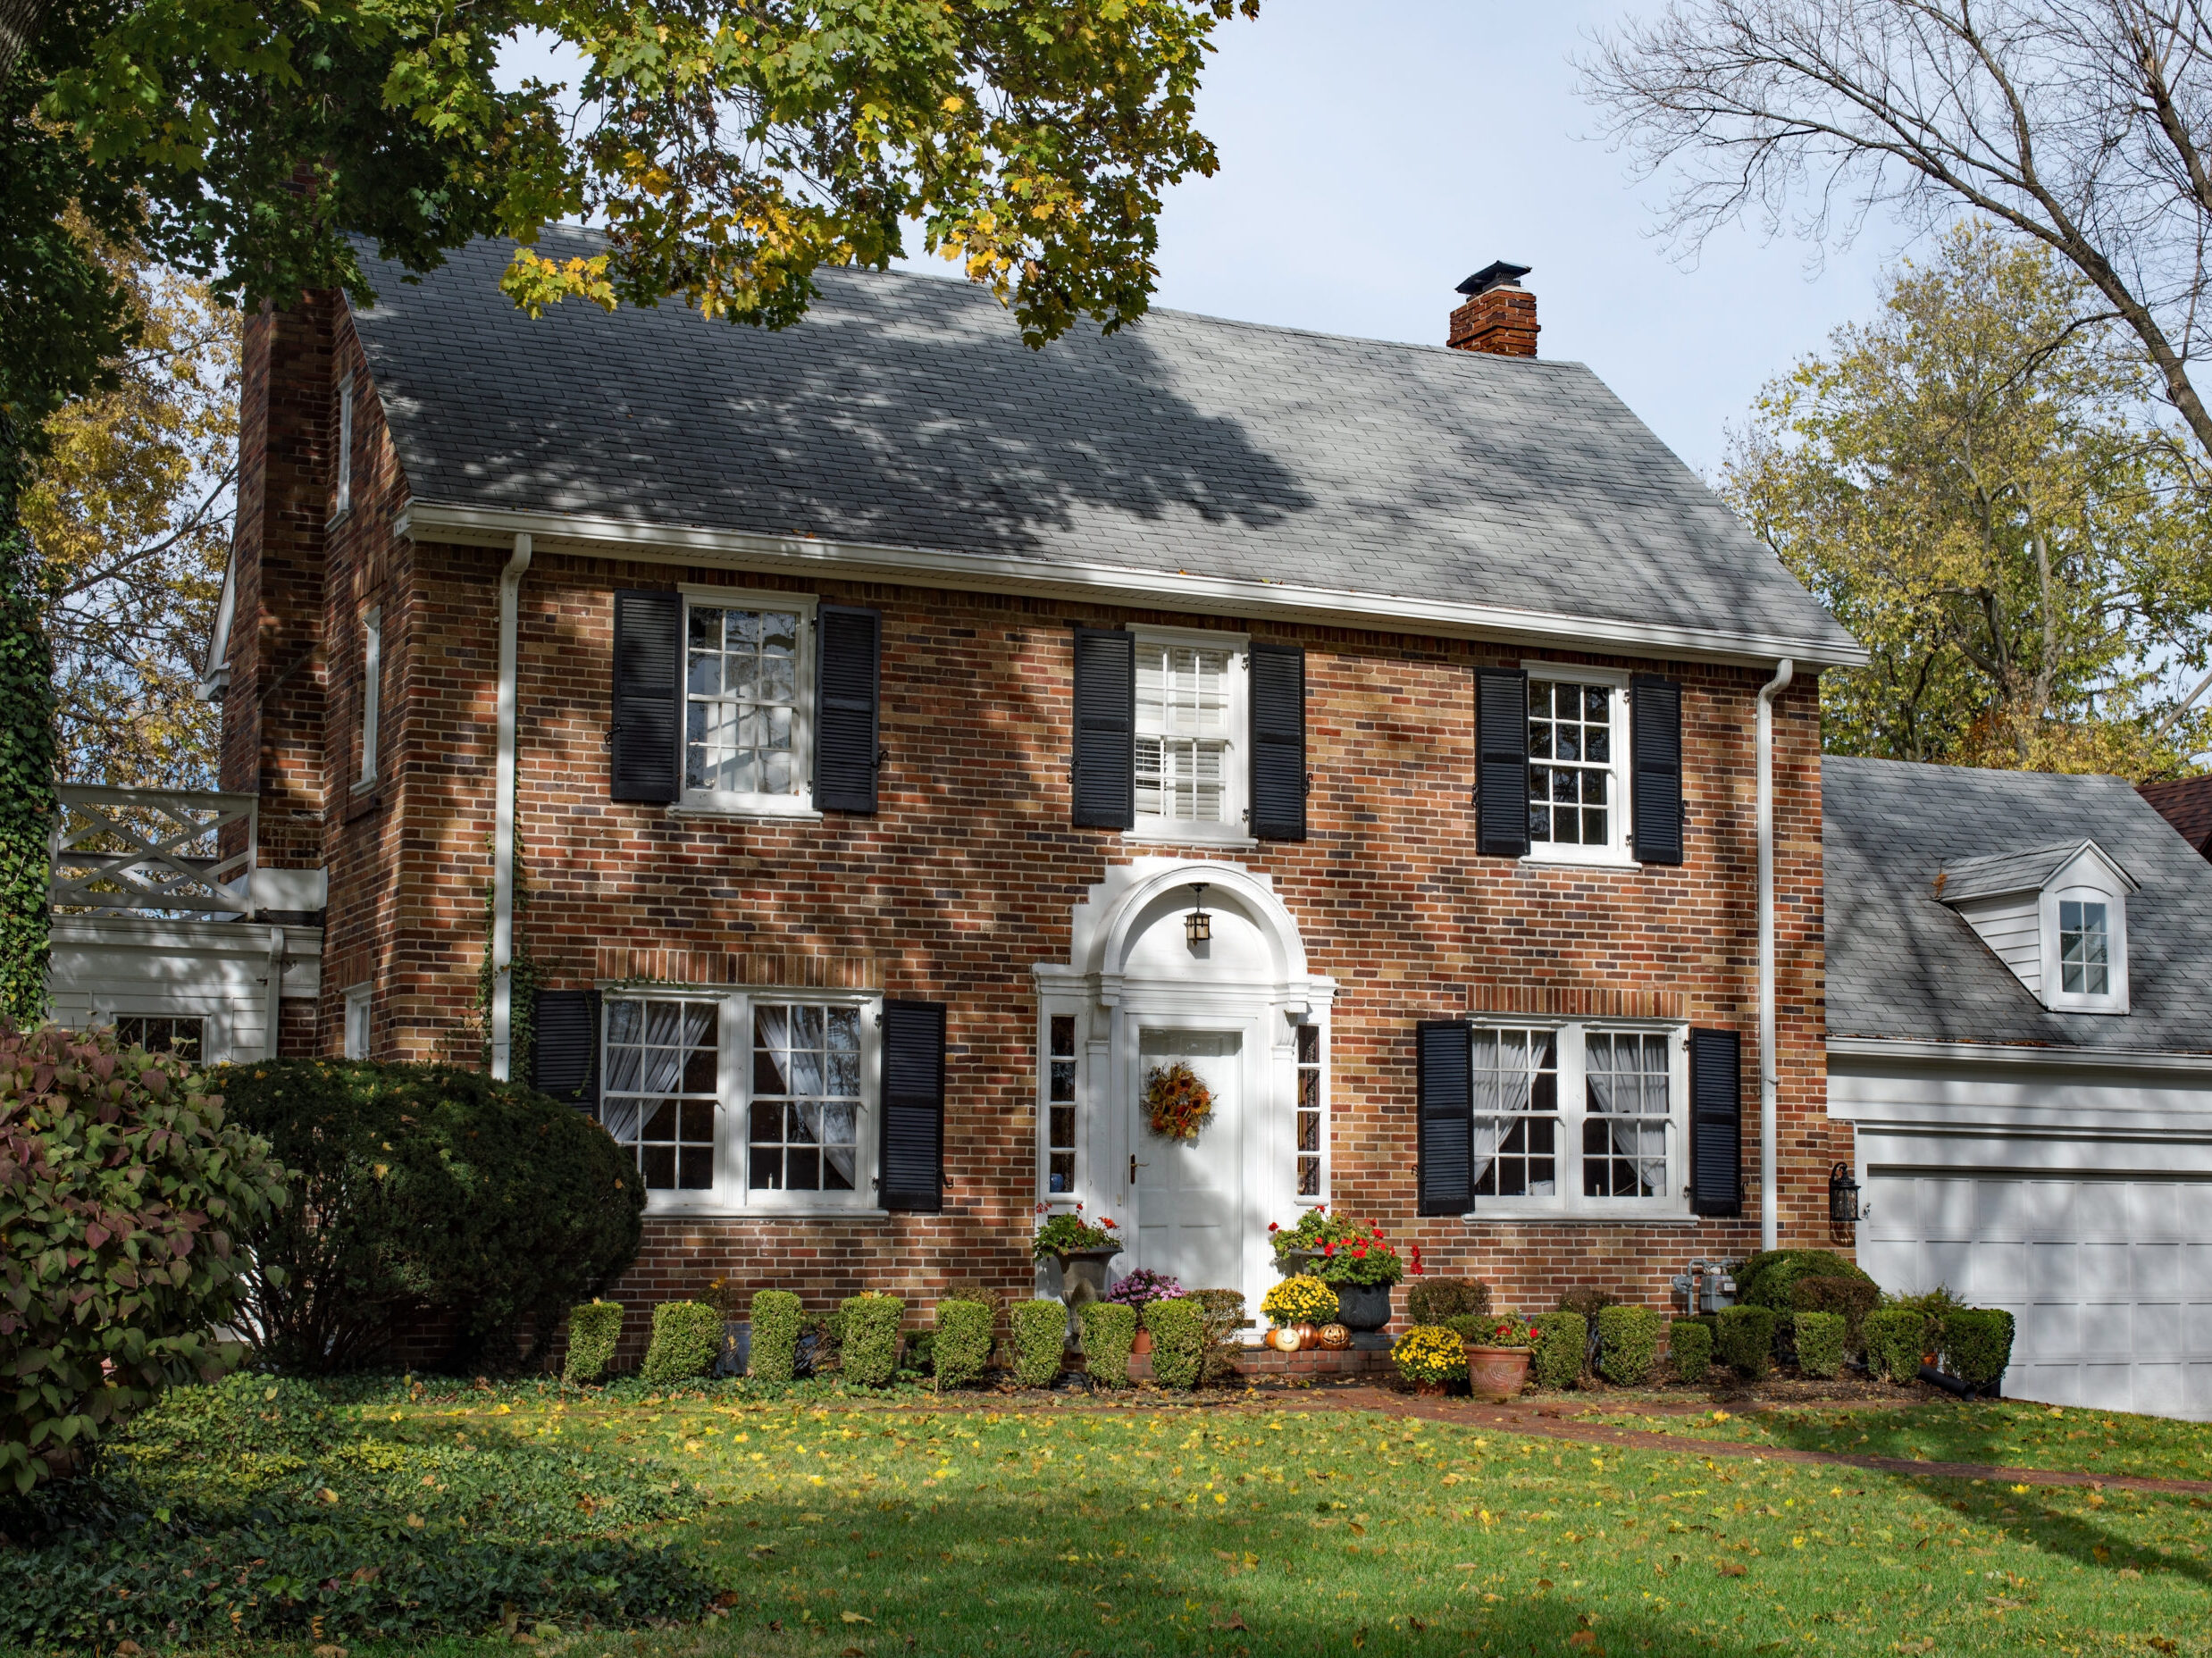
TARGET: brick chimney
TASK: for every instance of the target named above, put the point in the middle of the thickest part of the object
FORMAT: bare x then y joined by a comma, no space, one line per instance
1499,316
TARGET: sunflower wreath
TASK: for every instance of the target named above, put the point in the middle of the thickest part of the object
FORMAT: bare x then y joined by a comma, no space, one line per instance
1176,1104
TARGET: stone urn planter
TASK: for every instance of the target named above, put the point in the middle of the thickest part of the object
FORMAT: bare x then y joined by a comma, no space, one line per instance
1363,1306
1497,1374
1298,1261
1083,1275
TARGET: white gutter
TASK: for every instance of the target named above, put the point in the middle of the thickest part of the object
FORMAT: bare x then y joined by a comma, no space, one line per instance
1433,614
1770,1083
273,1002
503,821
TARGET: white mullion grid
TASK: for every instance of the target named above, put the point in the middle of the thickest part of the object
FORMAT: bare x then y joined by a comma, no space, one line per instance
1614,848
1573,1115
800,797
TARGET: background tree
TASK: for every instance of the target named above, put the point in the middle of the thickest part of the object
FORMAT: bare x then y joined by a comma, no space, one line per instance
730,149
1970,483
131,508
2077,125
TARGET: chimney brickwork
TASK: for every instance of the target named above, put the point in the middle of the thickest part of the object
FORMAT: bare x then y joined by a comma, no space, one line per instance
1499,316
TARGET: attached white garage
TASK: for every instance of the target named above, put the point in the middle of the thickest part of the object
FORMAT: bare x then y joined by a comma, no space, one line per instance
2014,1142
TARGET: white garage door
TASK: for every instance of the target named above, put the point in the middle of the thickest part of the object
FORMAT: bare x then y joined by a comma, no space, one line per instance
2109,1282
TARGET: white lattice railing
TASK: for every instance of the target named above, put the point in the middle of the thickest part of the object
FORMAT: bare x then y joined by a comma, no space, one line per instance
152,851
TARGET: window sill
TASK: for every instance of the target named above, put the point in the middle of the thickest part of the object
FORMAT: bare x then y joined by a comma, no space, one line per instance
1534,860
723,1211
1193,835
338,518
1582,1217
745,814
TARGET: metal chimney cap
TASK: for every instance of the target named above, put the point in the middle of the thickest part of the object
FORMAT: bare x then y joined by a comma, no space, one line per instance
1497,273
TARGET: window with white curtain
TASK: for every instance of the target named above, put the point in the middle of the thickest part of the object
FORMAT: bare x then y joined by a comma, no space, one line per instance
1190,734
1578,1118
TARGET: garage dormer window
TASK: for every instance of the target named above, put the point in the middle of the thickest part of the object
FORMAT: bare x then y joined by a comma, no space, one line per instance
2055,916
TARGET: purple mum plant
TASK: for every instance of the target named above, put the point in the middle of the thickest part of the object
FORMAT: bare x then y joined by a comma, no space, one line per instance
1145,1286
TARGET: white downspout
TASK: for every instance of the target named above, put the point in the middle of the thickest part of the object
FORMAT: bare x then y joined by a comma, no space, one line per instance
273,1002
1770,1077
503,820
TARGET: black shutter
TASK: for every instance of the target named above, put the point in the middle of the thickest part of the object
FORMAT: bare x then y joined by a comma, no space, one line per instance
645,743
1716,1123
1655,761
1105,763
848,656
563,1047
1278,743
912,1176
1445,1081
1502,762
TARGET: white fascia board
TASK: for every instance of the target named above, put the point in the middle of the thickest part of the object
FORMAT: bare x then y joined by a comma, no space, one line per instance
2005,1053
1155,590
167,934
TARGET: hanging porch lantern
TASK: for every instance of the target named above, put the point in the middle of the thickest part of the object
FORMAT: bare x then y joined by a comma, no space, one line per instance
1198,926
1843,1195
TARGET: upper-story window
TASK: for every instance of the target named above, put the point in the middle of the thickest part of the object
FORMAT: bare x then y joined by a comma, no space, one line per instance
1190,732
2055,914
747,1100
1578,750
747,702
372,691
1578,1118
2084,947
341,500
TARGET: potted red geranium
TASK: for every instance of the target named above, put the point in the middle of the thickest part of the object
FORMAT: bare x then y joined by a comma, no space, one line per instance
1361,1270
1498,1346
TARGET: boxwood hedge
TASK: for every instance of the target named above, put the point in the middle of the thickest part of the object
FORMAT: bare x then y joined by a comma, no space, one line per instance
1040,1337
1821,1337
1561,1343
870,1347
1690,1349
962,1347
593,1329
687,1340
776,1316
1178,1331
1628,1343
1745,1340
1108,1331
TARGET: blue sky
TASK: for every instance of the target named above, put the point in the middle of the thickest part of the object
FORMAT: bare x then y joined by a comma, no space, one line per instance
1373,154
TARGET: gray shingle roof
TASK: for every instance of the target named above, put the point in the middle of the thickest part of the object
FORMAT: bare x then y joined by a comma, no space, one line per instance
1966,879
1903,965
905,411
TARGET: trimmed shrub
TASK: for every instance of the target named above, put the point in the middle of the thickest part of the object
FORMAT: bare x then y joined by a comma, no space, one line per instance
1439,1301
1562,1345
1178,1330
1745,1340
424,1187
962,1346
1976,1344
126,1192
1223,1311
775,1317
1627,1345
593,1329
1767,1277
1895,1336
1854,1298
1690,1349
871,1337
687,1340
1108,1332
1821,1337
1040,1338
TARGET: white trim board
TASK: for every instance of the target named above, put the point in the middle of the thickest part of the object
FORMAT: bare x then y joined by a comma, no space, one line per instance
1152,589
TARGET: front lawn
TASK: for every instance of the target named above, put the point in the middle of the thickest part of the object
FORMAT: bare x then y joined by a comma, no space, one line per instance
900,1529
2002,1434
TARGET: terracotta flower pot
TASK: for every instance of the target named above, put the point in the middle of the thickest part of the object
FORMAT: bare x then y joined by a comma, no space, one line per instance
1143,1342
1432,1390
1496,1373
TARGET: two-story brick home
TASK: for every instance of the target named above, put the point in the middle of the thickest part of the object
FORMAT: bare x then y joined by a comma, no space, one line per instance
883,747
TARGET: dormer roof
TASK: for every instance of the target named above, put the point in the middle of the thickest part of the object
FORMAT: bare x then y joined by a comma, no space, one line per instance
1999,874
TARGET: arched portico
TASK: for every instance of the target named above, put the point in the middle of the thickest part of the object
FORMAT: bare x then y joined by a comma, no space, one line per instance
1137,994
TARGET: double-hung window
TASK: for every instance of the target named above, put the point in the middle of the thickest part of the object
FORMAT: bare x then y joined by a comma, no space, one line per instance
372,691
744,1100
1578,764
1191,730
1578,1118
342,493
748,703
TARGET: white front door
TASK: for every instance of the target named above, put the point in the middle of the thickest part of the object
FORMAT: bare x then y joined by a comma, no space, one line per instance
1190,1193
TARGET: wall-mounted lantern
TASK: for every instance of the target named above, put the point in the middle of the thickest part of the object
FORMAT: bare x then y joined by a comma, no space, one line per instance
1843,1195
1198,926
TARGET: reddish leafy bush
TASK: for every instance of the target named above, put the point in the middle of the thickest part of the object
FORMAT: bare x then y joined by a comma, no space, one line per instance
125,1197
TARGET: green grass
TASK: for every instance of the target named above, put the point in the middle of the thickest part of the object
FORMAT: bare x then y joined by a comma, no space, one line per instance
901,1529
1999,1435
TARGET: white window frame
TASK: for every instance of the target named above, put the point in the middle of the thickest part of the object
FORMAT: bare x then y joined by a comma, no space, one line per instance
342,498
799,802
1568,1201
2083,885
372,690
1045,1058
730,1194
1320,1029
1618,852
359,1034
1234,828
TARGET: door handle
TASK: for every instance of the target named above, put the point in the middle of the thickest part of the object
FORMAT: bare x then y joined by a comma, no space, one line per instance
1133,1166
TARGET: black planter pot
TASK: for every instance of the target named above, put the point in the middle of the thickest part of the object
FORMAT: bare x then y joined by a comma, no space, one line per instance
1363,1306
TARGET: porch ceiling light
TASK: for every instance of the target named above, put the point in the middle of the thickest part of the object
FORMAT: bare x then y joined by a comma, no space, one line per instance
1198,926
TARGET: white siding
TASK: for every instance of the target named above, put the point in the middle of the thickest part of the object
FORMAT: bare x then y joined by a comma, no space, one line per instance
2012,927
218,971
